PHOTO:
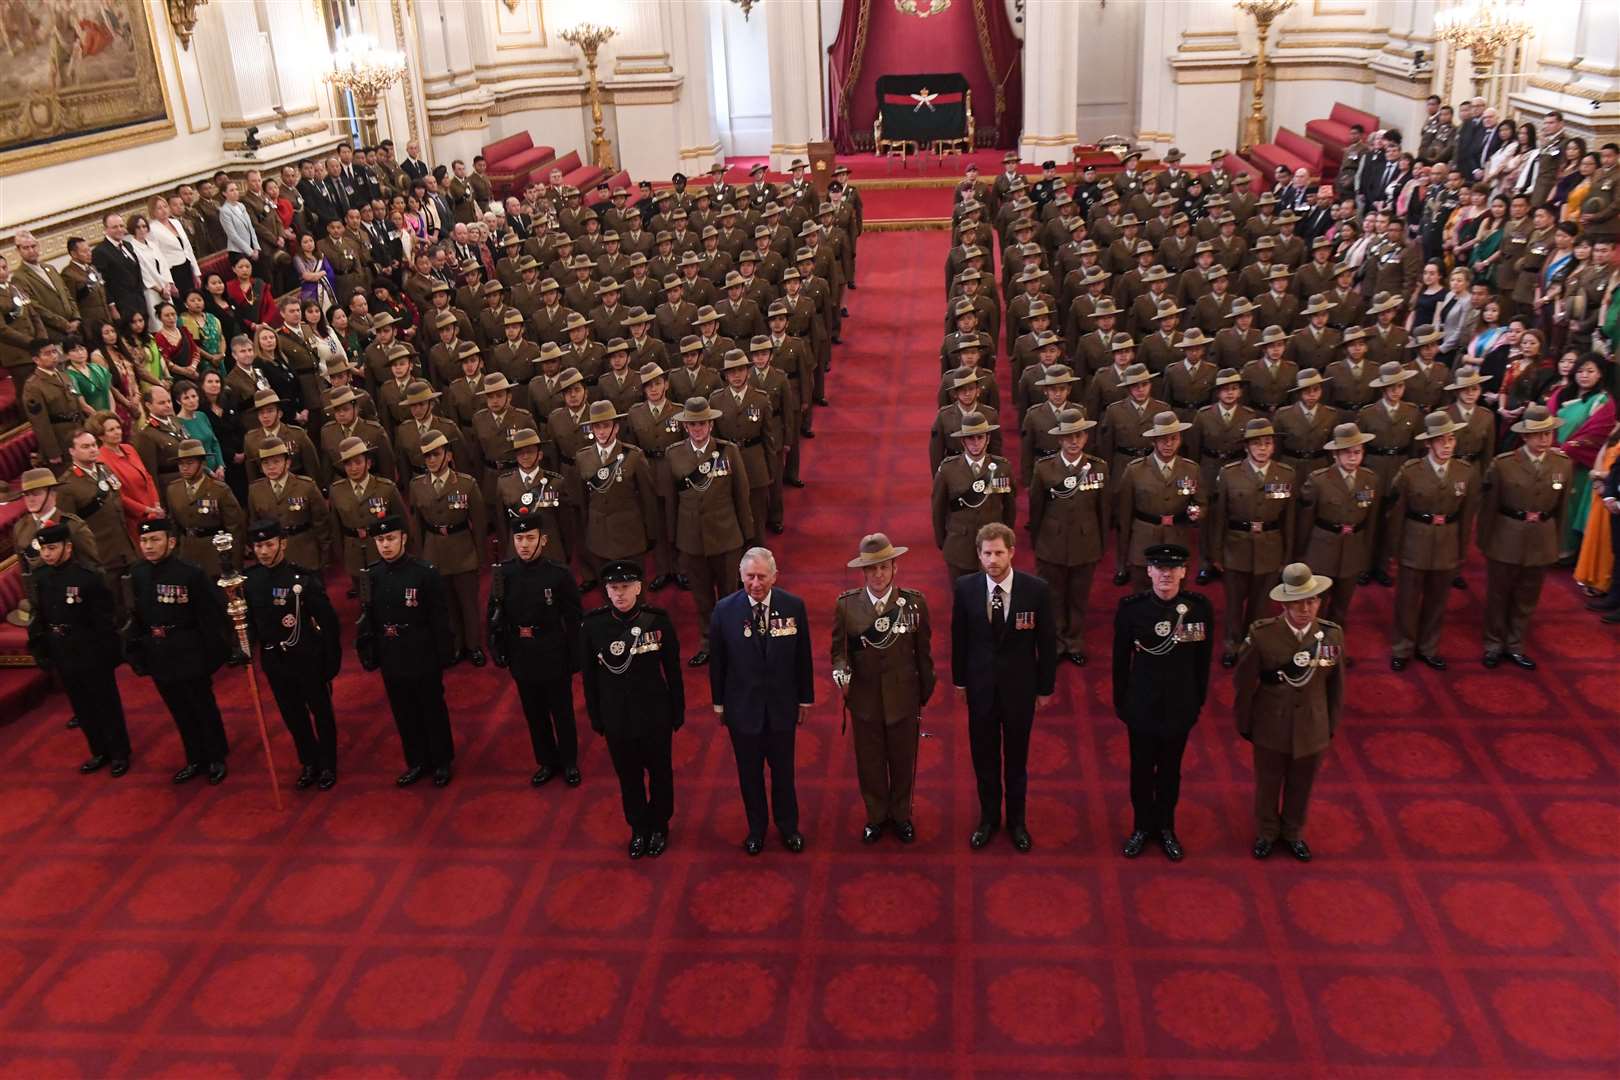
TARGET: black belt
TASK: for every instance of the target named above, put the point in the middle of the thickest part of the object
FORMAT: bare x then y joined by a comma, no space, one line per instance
206,531
89,509
654,454
1341,529
1221,455
755,441
1194,405
1233,525
1387,451
1430,519
294,530
1526,515
449,530
1134,451
1178,518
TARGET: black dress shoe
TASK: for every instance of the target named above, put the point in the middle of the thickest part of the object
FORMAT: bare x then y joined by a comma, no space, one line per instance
72,723
1262,848
843,312
1299,849
409,776
906,831
794,842
306,777
807,434
1433,661
1134,844
571,776
1078,659
1398,663
638,846
1611,617
1458,582
1172,846
1205,576
982,835
1492,660
1363,578
871,834
793,482
753,845
775,528
1522,661
92,764
822,401
120,766
1020,838
1603,603
441,776
699,658
661,581
1228,659
683,583
477,657
187,773
1383,578
328,780
1121,577
541,775
217,773
656,843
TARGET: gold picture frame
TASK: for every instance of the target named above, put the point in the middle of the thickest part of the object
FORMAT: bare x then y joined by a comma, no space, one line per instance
83,77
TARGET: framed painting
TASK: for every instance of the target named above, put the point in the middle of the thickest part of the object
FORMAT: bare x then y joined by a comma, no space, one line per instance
78,77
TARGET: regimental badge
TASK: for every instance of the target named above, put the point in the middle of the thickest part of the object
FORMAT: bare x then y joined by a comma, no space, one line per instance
978,487
882,624
1071,482
527,498
411,598
617,648
603,473
289,620
103,485
1302,659
704,467
1162,628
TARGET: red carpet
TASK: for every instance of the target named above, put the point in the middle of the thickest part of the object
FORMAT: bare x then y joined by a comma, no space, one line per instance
1460,920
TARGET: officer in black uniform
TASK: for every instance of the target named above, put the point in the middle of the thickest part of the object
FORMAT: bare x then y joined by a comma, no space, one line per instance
73,634
1161,677
533,617
402,632
300,648
179,634
634,696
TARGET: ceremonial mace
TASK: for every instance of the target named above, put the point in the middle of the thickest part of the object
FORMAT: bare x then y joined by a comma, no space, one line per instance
231,580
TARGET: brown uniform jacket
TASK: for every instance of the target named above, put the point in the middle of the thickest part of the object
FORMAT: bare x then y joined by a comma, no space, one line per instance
1350,386
55,412
712,512
306,461
89,291
1337,519
749,425
453,522
158,443
201,513
1189,389
1266,387
888,657
92,496
1521,519
52,296
620,501
1393,437
1154,510
303,513
1254,518
962,502
1300,437
408,445
1310,349
942,446
1478,436
1273,714
1431,517
1070,510
356,513
382,448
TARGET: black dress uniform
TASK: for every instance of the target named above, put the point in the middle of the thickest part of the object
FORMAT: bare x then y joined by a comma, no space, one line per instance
634,697
533,624
1162,652
178,634
301,650
72,633
403,618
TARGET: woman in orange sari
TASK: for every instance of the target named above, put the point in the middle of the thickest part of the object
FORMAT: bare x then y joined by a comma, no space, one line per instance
1594,570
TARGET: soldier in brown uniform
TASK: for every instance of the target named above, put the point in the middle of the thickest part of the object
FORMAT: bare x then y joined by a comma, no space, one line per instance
971,489
618,383
359,500
693,378
1394,425
296,502
1350,377
747,422
1189,384
1520,523
530,489
1289,689
544,390
653,427
1304,427
413,433
1477,437
89,491
1386,341
785,403
618,499
1269,378
1338,516
1238,345
1430,519
267,407
1426,390
54,409
1216,440
1253,529
1123,421
515,357
965,390
1034,434
1316,344
493,427
158,440
450,509
203,507
1160,500
1069,517
883,667
346,423
37,489
712,513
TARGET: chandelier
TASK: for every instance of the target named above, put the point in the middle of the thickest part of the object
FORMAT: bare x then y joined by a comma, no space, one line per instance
365,71
1485,28
1264,11
746,5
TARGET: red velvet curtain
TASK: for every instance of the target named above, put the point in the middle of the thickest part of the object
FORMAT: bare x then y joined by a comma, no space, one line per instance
900,37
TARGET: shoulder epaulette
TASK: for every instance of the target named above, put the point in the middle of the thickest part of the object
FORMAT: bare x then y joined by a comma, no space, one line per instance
1134,597
1260,623
1505,454
1330,623
603,610
849,592
1558,451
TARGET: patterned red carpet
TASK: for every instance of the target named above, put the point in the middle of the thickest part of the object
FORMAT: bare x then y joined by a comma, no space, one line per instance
1460,920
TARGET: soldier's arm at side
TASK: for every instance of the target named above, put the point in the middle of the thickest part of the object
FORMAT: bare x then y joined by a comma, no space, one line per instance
839,647
959,639
718,658
923,644
740,492
1046,652
1246,680
1124,654
1204,651
1335,688
324,526
325,615
803,661
1305,519
941,510
592,676
1491,500
437,610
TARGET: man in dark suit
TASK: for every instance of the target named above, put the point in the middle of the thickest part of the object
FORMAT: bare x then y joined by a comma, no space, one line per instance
320,198
115,258
1004,659
761,682
1470,138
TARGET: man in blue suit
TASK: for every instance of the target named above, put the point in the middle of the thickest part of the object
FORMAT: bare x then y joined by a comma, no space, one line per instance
761,680
1004,658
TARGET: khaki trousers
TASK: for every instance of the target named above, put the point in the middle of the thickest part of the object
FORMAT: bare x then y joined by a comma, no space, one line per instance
1420,610
886,767
1511,595
1277,773
711,577
1071,596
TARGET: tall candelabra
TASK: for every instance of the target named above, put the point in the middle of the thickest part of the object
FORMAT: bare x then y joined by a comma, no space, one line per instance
589,38
366,72
1486,28
230,582
1265,12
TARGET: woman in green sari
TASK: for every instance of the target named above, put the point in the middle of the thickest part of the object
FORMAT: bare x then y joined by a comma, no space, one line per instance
1486,244
92,381
1584,419
206,333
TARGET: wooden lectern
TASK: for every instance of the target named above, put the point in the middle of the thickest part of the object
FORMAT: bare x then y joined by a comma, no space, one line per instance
822,160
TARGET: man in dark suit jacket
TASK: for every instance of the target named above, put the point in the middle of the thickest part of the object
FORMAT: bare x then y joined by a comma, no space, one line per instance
115,259
1470,140
760,676
1004,658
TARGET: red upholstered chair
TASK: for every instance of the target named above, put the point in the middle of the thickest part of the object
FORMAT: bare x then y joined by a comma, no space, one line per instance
1291,149
15,454
620,179
568,163
1236,167
13,639
510,162
1334,132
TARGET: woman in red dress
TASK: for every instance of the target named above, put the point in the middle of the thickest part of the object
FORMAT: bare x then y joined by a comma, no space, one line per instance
250,297
135,484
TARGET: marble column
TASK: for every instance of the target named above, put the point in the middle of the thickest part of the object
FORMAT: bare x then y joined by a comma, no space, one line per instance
793,41
1052,29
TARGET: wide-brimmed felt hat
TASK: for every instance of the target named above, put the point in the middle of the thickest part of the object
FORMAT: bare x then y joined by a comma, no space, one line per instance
1383,301
1165,309
495,383
385,319
341,396
1122,342
1425,335
1298,583
875,549
418,392
973,424
760,343
1536,418
513,317
274,448
601,412
1135,373
696,410
1156,272
1258,428
1166,423
549,350
444,319
491,288
1273,335
705,314
266,398
352,447
637,316
1241,306
1227,376
1347,436
1437,424
608,285
1353,333
1104,308
525,437
1071,422
962,378
434,440
735,358
1037,309
569,377
1058,375
38,480
1467,376
615,345
650,371
1308,377
469,350
1391,372
1194,338
1318,304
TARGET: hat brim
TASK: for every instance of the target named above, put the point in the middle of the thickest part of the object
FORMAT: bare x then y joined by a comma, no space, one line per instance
1174,429
1451,428
684,417
1531,427
876,558
1315,587
1360,440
